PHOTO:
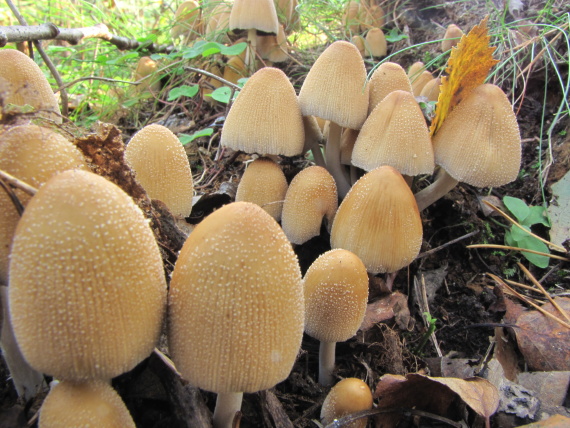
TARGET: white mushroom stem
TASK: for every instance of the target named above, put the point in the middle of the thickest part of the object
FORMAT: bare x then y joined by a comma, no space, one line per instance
318,154
326,362
442,185
227,405
250,56
333,160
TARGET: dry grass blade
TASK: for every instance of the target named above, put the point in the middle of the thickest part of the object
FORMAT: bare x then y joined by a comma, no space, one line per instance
507,247
526,300
550,244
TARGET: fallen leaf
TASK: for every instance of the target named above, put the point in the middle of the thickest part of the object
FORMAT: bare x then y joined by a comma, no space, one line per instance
556,421
559,211
391,307
468,66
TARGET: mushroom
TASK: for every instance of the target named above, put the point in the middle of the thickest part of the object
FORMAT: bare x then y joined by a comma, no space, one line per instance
451,38
236,307
379,222
395,134
274,48
27,84
97,404
147,67
311,196
187,21
218,21
420,81
336,294
313,138
388,77
87,288
374,16
376,45
350,395
478,143
415,70
431,89
359,42
235,69
161,167
264,184
335,89
352,17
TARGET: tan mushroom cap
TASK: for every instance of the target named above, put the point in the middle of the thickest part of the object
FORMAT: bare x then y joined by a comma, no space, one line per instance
28,84
395,134
161,167
359,42
415,70
420,81
273,48
93,404
352,17
265,118
236,302
335,88
479,142
431,89
373,16
350,395
376,44
379,221
218,21
347,142
146,66
388,77
263,183
32,154
187,20
254,14
311,196
235,69
336,294
451,38
87,288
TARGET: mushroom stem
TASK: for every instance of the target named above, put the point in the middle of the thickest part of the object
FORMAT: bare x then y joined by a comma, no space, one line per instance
250,56
326,362
227,404
440,187
333,160
318,154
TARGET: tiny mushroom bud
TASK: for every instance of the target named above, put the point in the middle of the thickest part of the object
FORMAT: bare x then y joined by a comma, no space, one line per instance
336,294
147,67
451,38
187,21
350,395
376,45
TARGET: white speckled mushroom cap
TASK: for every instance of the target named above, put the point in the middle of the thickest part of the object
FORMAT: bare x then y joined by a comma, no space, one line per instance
348,396
263,183
420,81
335,88
92,404
161,167
28,84
32,154
258,14
265,118
451,38
479,142
311,196
336,294
376,45
87,287
388,77
236,307
395,134
379,221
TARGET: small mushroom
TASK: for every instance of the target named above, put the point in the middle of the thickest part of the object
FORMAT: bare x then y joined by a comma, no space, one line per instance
187,21
451,38
420,81
147,67
431,89
350,395
388,77
376,44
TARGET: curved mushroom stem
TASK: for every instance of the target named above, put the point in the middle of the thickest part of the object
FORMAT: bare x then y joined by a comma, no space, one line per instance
318,154
227,405
326,362
436,190
250,56
332,154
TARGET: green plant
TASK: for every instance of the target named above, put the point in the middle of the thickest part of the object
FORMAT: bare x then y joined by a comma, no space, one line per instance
527,216
431,329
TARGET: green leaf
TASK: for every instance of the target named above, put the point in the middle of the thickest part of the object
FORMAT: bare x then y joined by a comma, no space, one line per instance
233,50
185,138
222,94
242,81
537,215
509,239
183,91
210,48
516,206
517,233
395,36
531,243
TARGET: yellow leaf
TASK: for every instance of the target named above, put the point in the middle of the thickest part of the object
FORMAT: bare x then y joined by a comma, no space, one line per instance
468,67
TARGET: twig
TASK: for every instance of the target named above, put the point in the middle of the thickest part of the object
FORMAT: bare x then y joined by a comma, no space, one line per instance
526,250
441,247
15,201
13,181
213,76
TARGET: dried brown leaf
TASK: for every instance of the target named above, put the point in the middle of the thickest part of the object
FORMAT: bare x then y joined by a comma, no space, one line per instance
393,306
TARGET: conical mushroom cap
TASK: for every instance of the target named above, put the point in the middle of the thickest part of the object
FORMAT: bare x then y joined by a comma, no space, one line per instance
420,81
336,294
95,403
451,38
265,118
479,142
431,89
348,396
236,306
388,77
376,45
87,288
254,14
379,221
335,88
395,134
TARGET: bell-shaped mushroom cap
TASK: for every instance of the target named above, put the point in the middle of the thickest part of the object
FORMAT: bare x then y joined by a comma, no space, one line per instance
373,16
431,89
28,85
32,154
87,287
236,307
350,395
235,69
379,221
335,88
359,42
265,118
264,184
352,17
146,66
311,196
376,44
388,77
336,294
90,404
217,20
161,167
415,70
420,81
479,142
395,134
451,38
187,20
254,14
273,48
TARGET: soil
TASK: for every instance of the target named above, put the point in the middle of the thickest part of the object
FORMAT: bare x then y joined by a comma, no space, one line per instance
463,301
